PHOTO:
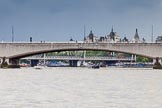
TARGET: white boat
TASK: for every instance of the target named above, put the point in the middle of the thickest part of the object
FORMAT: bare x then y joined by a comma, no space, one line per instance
38,67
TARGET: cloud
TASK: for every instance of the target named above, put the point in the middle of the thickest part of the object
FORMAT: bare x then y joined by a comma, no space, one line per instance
52,6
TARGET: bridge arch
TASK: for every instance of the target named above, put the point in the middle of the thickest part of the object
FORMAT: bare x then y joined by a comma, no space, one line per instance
18,56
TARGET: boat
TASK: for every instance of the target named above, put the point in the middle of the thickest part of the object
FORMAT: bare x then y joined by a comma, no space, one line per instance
38,67
24,65
96,66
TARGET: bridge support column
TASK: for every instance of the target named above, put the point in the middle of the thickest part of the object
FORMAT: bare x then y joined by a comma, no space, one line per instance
13,61
0,60
73,63
134,57
4,62
157,64
10,63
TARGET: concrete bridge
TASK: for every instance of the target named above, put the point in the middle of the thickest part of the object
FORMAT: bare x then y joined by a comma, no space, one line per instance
14,51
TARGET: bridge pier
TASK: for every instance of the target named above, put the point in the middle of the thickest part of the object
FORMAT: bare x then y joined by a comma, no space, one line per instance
9,63
157,64
73,63
4,62
13,61
154,61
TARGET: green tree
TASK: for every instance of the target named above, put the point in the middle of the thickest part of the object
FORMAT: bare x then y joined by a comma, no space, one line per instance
142,59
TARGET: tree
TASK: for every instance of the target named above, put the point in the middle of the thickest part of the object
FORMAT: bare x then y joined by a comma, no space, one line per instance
142,59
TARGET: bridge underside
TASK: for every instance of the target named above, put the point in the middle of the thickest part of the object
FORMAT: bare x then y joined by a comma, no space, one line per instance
15,58
60,50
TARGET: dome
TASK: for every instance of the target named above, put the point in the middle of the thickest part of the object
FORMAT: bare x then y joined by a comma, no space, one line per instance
91,35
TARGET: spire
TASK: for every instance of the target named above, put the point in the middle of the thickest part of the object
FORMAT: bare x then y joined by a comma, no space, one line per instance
91,32
84,38
136,36
112,29
84,32
112,34
91,29
136,30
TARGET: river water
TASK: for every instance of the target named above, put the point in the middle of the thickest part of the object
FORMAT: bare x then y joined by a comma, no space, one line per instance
80,88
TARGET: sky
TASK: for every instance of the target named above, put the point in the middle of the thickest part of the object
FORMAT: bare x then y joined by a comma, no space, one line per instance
60,20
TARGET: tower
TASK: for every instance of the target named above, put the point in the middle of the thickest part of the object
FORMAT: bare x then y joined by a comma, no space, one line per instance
136,37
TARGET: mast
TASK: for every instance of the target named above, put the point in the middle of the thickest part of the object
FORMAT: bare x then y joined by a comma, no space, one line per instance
84,51
12,33
152,34
112,29
84,31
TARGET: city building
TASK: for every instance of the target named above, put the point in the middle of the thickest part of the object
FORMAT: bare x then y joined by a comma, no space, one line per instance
110,38
125,40
113,37
158,39
91,37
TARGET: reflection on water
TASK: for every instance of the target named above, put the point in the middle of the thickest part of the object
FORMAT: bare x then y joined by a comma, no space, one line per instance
80,88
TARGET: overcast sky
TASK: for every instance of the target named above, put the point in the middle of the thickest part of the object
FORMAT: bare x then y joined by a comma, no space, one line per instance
59,20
